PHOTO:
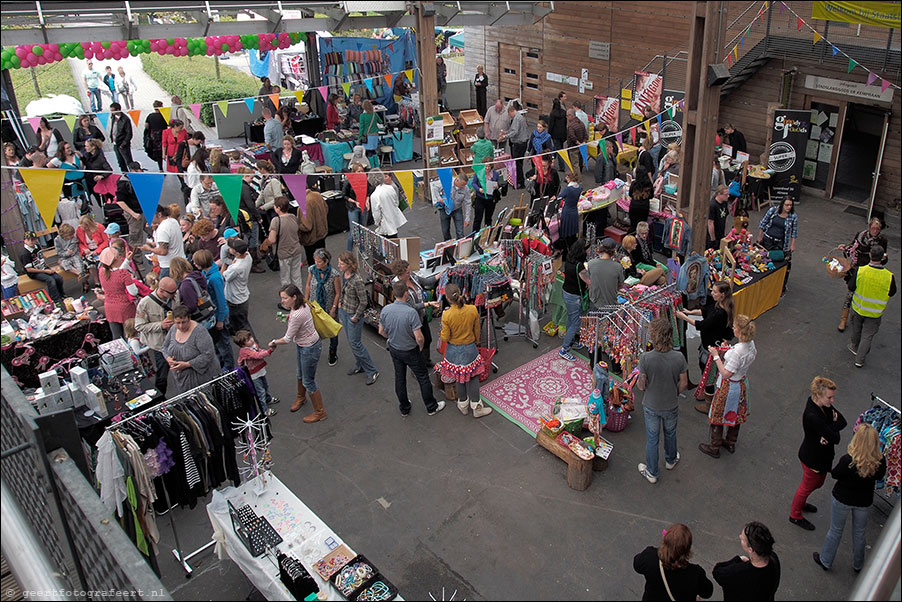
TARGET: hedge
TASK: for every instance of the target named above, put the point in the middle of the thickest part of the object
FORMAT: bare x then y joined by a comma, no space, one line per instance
194,81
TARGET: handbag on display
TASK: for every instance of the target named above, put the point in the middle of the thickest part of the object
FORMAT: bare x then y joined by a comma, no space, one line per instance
326,326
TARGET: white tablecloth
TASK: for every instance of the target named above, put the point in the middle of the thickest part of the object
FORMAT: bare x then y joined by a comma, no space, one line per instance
290,517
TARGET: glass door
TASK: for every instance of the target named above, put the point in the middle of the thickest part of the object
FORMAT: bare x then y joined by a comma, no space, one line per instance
819,150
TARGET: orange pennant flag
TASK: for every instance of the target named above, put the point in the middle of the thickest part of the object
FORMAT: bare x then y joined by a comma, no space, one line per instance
275,100
135,114
388,78
406,180
165,112
45,186
566,157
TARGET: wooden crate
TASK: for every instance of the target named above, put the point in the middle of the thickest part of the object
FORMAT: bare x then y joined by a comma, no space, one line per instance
470,118
448,155
466,156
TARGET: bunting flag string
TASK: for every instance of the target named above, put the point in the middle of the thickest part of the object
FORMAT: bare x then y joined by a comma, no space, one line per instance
229,186
275,100
34,122
324,91
45,186
250,103
358,184
223,107
135,114
148,188
297,184
447,179
70,121
166,112
104,118
479,170
584,152
565,155
405,178
195,108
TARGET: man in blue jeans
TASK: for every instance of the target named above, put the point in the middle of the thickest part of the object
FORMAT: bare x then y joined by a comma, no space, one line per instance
92,85
663,375
401,325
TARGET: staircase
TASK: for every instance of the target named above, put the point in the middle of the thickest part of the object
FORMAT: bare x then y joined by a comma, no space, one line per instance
747,65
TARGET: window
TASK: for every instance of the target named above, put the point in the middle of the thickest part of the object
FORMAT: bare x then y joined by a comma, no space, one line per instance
532,55
532,86
532,76
510,71
532,105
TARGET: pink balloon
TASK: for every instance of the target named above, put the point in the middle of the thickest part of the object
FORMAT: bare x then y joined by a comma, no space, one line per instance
89,54
21,52
209,51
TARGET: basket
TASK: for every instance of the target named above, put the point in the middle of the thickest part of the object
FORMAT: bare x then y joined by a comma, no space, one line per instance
574,427
616,421
839,255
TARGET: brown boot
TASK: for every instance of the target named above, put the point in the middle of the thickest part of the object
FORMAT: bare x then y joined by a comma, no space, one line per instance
301,398
319,413
732,435
256,268
713,449
843,320
705,405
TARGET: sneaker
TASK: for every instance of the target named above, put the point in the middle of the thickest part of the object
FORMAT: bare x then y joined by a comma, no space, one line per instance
372,378
809,508
644,472
405,414
802,522
566,355
438,408
273,400
333,359
859,365
670,466
817,561
271,411
355,370
852,349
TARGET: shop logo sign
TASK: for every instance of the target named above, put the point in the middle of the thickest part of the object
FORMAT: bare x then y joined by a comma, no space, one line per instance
782,156
786,125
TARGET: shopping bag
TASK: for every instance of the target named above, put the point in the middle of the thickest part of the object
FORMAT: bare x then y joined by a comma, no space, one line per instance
325,325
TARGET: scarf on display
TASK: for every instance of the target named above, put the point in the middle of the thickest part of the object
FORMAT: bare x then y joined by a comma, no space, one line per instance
539,139
322,276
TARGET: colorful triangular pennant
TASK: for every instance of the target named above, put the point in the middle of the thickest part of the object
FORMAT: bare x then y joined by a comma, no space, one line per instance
884,84
324,92
195,108
852,64
299,95
799,24
45,186
369,85
104,118
619,138
405,178
817,38
148,187
872,77
409,74
249,101
388,78
166,112
447,179
223,107
34,122
297,184
70,121
135,114
834,49
358,184
346,86
603,147
275,100
479,170
565,155
584,151
229,186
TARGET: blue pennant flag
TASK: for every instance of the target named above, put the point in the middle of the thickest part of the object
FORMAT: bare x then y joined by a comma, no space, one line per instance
250,104
447,178
104,119
659,125
369,85
835,50
148,187
585,153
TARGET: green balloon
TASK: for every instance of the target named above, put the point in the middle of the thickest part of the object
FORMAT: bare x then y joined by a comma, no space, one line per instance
37,50
170,41
16,61
105,45
80,52
225,47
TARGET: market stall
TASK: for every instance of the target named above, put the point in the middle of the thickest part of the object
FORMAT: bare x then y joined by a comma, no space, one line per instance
757,279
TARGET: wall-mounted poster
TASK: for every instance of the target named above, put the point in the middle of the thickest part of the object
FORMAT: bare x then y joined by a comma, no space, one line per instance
648,89
672,126
607,111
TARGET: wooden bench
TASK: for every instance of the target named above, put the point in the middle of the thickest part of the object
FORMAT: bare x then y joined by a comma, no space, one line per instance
579,471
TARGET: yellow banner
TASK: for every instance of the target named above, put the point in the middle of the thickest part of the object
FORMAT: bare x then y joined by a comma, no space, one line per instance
879,14
45,186
405,178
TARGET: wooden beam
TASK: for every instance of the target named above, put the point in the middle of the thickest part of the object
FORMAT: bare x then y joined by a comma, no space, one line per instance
700,116
428,88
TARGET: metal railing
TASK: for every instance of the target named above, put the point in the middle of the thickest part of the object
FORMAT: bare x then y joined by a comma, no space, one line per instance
86,551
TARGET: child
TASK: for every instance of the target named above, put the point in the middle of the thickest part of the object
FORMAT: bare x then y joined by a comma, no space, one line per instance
151,279
69,255
131,335
252,359
10,277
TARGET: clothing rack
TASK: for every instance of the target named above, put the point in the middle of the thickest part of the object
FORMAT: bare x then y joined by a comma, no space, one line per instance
177,551
889,440
887,404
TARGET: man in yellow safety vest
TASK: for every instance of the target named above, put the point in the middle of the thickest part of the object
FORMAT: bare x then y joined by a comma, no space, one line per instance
872,286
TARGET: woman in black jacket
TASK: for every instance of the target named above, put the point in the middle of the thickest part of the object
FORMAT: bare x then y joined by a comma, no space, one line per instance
754,576
547,182
856,473
822,424
95,160
248,203
714,326
154,125
641,191
288,158
355,213
668,573
85,131
557,127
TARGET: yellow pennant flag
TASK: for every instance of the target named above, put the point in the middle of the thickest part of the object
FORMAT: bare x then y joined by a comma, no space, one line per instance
299,94
409,74
223,107
405,178
736,52
566,157
45,186
165,112
347,88
275,100
70,121
817,37
647,127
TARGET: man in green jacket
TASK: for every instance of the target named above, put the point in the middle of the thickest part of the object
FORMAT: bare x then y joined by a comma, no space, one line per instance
482,149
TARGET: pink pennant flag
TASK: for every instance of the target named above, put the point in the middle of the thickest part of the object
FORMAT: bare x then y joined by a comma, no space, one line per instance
297,184
620,140
324,90
884,84
34,122
872,77
195,108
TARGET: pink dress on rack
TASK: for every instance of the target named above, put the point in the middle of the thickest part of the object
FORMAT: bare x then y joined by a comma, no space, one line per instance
117,305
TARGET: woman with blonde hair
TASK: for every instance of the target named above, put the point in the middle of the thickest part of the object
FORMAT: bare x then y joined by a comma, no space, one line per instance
647,273
856,474
729,407
92,240
668,573
462,364
368,134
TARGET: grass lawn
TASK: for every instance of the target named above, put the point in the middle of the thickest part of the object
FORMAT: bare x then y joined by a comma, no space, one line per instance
52,79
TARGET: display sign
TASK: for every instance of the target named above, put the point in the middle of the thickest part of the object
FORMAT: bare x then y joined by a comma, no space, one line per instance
600,50
847,88
648,89
787,151
435,129
880,14
607,111
672,120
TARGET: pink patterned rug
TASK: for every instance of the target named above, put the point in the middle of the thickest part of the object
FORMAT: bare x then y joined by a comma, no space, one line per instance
528,392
